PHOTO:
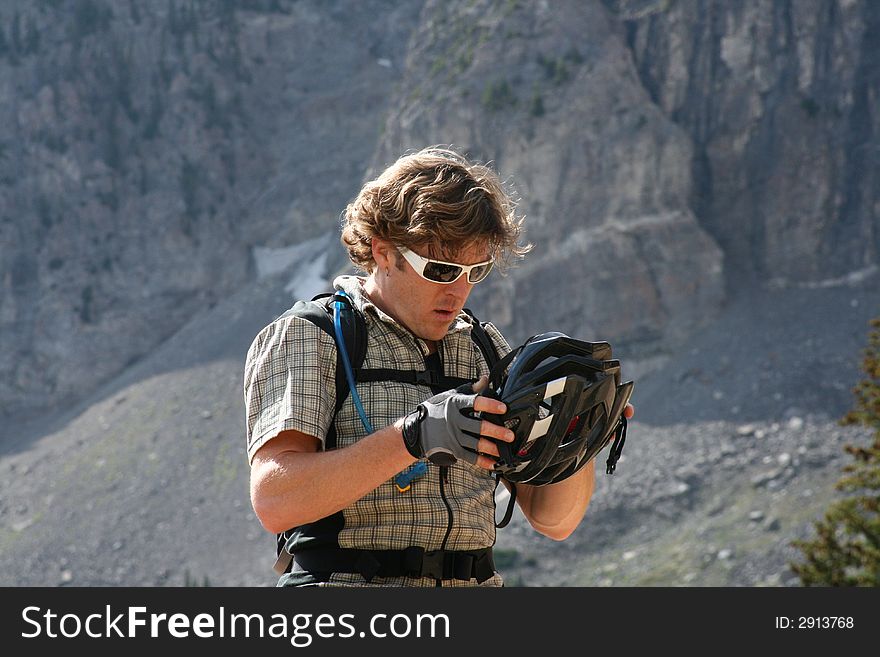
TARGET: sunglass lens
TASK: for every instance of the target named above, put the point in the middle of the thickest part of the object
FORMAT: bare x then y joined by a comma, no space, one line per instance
442,273
479,273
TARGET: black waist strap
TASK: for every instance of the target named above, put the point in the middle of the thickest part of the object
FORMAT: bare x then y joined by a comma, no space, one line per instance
411,562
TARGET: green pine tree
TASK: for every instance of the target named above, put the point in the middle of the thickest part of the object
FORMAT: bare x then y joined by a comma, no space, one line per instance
846,549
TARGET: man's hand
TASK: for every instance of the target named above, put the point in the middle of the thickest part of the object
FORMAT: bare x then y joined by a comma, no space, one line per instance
447,427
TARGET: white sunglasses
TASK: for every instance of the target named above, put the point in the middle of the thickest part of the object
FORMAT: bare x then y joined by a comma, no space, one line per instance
438,271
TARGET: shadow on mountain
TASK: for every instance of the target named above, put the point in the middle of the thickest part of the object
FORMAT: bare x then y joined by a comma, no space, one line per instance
771,353
224,332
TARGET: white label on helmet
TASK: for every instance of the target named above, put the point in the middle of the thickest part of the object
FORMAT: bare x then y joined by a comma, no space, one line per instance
554,387
539,428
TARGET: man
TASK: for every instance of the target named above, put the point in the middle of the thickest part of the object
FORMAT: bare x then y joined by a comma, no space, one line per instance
425,232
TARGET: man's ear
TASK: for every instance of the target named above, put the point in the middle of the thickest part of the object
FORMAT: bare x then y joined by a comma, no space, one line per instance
383,253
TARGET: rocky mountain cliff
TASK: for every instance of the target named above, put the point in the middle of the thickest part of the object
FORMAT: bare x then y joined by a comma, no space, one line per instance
684,168
146,148
780,102
550,94
659,150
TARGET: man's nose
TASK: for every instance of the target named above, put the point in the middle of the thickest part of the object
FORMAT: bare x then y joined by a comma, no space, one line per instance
460,288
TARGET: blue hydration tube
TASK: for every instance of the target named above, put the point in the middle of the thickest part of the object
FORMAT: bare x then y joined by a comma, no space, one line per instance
340,342
404,479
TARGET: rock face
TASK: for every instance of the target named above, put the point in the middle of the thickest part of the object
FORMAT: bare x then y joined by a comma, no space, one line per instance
146,148
549,93
781,101
660,150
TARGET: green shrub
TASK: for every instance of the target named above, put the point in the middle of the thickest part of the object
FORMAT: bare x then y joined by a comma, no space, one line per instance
846,549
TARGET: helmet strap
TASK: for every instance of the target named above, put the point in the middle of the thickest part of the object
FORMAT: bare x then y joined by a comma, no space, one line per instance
508,514
617,447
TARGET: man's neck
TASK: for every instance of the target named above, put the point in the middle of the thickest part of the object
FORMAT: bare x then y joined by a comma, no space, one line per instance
374,294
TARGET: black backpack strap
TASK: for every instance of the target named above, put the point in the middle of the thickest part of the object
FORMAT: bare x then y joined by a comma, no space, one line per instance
482,340
413,561
490,353
428,378
319,311
438,382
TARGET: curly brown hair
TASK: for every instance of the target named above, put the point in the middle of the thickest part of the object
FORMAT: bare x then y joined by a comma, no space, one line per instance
436,198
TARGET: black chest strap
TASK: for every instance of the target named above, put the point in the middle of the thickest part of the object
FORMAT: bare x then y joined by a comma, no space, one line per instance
428,377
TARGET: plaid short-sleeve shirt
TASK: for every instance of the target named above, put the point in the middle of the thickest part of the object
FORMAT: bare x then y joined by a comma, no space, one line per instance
289,383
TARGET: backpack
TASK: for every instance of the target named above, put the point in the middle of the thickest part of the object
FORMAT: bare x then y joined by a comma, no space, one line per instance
319,311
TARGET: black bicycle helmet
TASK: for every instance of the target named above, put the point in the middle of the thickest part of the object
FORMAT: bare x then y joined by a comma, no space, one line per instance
565,403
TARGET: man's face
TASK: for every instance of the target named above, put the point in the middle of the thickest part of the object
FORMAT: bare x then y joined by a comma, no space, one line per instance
426,308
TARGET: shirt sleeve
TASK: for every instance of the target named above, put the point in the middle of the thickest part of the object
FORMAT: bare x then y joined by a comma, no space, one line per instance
289,382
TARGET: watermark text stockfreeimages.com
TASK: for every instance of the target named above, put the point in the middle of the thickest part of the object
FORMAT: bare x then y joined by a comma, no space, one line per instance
135,622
